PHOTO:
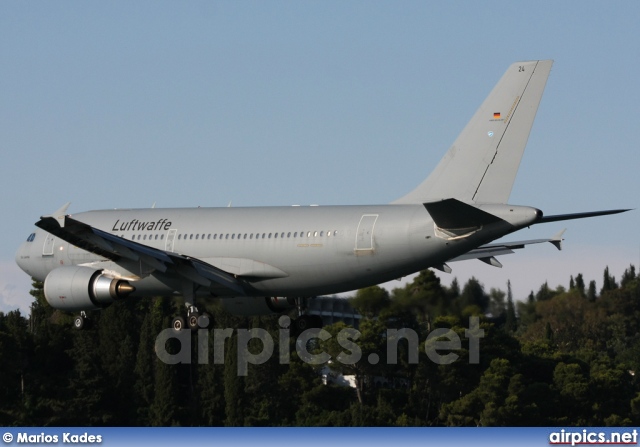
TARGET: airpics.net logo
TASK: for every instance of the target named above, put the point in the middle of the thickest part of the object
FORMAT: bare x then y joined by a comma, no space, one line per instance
441,346
590,437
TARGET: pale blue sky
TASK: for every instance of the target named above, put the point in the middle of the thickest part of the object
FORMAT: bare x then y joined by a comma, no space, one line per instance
123,104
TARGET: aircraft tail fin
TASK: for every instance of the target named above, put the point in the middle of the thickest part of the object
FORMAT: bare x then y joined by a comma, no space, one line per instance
482,163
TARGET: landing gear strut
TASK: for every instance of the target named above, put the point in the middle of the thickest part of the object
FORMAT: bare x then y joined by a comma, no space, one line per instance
304,320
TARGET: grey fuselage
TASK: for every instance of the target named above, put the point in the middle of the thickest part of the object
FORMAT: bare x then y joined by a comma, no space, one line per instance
277,251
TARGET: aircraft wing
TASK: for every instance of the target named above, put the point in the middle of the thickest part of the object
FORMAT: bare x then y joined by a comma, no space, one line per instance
116,248
486,253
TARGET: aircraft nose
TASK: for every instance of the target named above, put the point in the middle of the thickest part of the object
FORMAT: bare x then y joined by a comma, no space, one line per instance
23,257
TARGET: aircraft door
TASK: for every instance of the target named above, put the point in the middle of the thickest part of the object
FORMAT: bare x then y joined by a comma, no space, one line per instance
364,235
47,248
171,237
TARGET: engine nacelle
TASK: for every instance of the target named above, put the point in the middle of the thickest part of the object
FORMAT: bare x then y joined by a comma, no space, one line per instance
83,288
247,306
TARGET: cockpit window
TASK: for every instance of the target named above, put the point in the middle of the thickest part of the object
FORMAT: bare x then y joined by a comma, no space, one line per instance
31,237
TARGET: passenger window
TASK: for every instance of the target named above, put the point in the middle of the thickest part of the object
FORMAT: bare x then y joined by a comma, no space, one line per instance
295,234
233,236
315,234
276,235
245,236
289,234
197,236
251,236
282,235
162,237
226,236
309,234
321,233
269,235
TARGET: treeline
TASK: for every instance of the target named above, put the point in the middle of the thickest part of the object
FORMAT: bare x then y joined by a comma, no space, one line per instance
564,356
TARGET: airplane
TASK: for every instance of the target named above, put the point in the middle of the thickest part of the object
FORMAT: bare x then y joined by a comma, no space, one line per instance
263,260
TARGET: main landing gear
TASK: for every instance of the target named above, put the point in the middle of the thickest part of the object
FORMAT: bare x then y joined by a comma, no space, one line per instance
194,320
304,320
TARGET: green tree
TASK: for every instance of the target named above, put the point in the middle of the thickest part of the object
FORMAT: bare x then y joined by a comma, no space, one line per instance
580,285
473,296
369,302
591,293
544,293
88,386
367,358
628,276
572,385
424,297
497,305
234,395
482,406
608,283
511,323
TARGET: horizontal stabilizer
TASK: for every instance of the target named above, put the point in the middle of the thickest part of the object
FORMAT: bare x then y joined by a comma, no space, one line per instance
559,217
486,253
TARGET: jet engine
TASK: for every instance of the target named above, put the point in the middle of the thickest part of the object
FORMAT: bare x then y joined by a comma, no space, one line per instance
245,306
83,288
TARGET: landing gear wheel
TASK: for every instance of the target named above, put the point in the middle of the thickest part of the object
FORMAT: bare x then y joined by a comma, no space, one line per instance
192,320
78,322
204,320
302,323
177,324
192,317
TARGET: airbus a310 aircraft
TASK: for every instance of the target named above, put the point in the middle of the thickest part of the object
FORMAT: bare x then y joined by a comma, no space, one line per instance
271,259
